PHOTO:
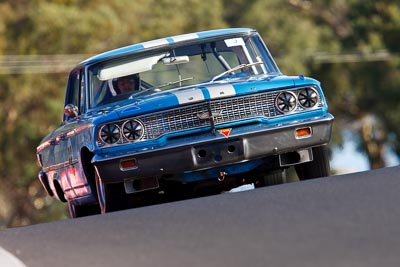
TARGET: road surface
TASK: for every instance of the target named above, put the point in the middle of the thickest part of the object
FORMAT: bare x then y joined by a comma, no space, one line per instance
346,220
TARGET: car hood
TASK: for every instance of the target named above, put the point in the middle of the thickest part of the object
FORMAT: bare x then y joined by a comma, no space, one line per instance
141,104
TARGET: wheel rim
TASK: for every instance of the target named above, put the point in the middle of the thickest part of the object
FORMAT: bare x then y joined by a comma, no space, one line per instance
72,210
101,194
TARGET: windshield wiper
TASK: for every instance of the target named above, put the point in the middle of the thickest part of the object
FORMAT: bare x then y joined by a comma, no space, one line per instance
238,67
171,83
155,88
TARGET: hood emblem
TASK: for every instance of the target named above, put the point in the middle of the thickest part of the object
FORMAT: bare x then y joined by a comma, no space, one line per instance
207,115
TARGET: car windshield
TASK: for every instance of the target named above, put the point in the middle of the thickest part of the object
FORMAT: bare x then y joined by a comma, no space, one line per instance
178,66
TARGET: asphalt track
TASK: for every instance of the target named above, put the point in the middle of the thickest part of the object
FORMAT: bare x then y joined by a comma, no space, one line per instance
347,220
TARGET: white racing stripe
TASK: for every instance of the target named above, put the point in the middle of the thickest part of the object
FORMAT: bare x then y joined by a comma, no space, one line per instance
164,41
221,90
189,96
185,37
196,95
9,260
155,43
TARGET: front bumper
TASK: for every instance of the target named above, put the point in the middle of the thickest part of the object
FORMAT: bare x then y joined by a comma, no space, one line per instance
207,151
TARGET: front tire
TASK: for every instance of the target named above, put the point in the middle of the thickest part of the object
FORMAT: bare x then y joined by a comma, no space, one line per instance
275,177
319,167
111,197
76,211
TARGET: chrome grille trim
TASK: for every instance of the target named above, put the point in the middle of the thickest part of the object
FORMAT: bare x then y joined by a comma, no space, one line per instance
174,120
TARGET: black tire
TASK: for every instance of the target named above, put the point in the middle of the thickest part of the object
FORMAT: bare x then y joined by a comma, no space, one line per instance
319,167
82,211
111,197
275,177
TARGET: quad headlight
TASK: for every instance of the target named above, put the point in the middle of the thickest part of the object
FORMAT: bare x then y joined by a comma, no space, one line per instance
308,97
286,102
126,131
132,130
109,133
297,100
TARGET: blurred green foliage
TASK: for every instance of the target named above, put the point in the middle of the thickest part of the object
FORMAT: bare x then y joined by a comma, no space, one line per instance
351,46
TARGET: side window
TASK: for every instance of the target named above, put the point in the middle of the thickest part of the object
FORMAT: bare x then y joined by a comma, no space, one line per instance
82,93
76,91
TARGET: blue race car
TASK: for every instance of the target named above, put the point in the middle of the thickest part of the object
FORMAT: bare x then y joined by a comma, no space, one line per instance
202,110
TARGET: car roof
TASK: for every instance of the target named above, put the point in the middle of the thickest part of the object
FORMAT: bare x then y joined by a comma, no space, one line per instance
163,42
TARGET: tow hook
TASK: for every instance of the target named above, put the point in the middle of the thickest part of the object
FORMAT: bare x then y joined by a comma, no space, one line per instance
222,175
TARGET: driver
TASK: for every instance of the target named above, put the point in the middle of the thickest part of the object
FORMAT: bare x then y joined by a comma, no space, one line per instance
125,84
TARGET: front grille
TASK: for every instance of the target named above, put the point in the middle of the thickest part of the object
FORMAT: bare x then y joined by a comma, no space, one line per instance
227,110
175,120
246,107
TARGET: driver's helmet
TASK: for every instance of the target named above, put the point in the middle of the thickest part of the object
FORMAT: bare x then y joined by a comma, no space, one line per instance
124,84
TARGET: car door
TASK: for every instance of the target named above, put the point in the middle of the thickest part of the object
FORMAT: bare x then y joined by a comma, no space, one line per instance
56,152
74,125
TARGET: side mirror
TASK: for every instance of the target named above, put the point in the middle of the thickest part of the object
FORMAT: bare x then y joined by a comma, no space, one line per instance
71,111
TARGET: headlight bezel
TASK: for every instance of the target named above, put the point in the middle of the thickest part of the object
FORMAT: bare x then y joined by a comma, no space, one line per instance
109,133
304,96
122,130
286,102
300,96
134,128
